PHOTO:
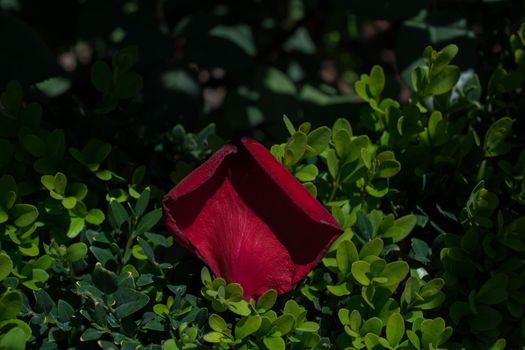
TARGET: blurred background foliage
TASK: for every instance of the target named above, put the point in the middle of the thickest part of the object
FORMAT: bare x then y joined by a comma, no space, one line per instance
240,65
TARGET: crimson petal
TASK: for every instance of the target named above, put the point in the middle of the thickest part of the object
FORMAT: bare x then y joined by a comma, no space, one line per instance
249,219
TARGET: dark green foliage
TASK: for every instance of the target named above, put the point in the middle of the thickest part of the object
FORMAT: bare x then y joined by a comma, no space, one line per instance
465,254
116,82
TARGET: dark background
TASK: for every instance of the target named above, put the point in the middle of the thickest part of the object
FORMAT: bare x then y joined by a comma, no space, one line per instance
240,64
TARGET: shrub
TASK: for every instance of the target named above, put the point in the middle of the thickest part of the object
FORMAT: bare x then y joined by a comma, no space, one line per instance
430,196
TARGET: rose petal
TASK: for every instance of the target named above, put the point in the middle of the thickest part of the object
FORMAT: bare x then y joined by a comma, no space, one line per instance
250,220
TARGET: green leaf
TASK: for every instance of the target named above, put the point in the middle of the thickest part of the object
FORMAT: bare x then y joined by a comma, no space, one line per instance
376,81
34,145
414,339
342,124
432,287
365,228
78,190
342,143
240,35
411,288
129,301
91,334
284,323
8,199
307,173
95,217
76,252
361,87
346,254
305,127
366,158
149,220
69,202
217,323
65,311
295,148
373,247
101,254
494,291
10,305
443,58
293,308
372,325
146,249
233,291
310,340
3,216
205,276
138,175
499,344
355,320
102,77
308,327
142,202
360,269
444,81
395,329
94,153
436,127
289,125
38,278
495,140
377,266
278,152
6,265
332,162
138,252
9,324
213,337
104,280
354,151
401,228
239,307
161,310
60,183
267,300
340,289
117,213
76,225
387,166
434,332
48,181
276,84
274,342
319,139
25,214
247,325
311,188
344,316
396,271
104,175
14,339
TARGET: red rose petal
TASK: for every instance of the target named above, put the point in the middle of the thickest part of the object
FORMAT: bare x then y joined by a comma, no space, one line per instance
250,220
